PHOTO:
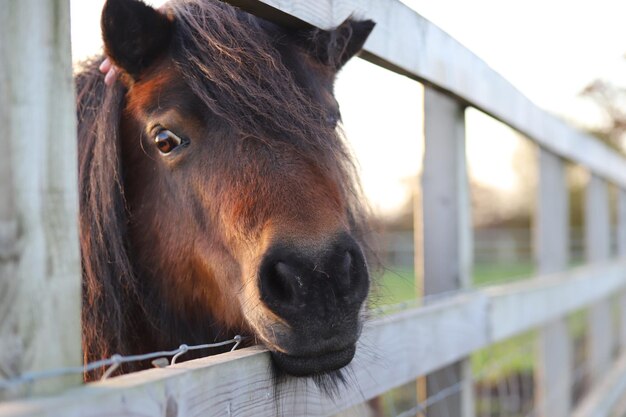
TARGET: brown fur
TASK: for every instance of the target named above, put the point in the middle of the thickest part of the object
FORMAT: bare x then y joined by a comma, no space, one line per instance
171,245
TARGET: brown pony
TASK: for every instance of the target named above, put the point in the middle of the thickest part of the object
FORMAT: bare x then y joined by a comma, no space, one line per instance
217,196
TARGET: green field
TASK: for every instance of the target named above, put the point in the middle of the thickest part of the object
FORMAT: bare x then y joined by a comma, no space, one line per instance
397,285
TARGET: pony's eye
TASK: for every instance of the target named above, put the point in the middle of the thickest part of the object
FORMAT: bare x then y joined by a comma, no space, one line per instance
166,141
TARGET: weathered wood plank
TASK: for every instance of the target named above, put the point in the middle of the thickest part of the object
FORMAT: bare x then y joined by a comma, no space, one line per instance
437,335
597,247
554,361
237,383
8,224
446,225
405,42
422,340
518,307
39,256
551,226
621,253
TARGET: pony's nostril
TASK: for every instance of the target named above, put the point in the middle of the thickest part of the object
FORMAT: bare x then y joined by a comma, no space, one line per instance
356,275
334,279
276,282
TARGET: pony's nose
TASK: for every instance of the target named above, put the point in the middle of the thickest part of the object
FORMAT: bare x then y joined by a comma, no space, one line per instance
332,280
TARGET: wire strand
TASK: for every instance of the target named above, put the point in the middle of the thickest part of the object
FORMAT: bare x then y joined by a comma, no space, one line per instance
113,363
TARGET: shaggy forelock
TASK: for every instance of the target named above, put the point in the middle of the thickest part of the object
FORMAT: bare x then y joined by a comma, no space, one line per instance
231,63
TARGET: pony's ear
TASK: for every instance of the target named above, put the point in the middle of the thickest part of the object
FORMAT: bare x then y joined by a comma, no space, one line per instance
134,34
335,47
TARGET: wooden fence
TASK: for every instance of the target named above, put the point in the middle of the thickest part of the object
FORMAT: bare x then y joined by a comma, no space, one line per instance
39,262
39,256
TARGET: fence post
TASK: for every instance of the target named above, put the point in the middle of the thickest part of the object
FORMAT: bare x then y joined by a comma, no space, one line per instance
554,361
39,256
597,247
447,231
621,253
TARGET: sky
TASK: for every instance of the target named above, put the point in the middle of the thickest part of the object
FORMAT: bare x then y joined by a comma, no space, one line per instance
549,49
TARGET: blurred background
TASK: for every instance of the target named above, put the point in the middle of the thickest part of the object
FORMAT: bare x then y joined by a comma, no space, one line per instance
565,55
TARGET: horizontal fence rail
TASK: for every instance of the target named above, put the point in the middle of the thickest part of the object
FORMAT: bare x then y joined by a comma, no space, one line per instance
400,347
422,340
405,42
408,44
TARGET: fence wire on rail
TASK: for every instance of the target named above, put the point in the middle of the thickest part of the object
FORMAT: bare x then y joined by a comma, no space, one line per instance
114,362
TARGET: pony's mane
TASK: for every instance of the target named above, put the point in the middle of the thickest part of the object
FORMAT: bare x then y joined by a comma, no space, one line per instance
227,58
108,282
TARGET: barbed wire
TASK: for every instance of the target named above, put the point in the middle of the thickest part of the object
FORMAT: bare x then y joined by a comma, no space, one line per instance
114,362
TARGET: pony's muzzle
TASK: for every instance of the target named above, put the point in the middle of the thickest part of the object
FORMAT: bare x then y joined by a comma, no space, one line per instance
318,293
320,284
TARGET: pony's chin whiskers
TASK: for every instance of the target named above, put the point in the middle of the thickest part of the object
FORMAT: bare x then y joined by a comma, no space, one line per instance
330,384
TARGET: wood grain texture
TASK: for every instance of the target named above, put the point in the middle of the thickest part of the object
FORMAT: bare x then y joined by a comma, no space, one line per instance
393,350
447,231
39,256
241,384
38,232
405,42
551,229
600,337
621,254
518,307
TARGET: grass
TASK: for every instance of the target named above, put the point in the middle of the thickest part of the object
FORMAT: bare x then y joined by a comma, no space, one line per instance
510,357
397,284
487,274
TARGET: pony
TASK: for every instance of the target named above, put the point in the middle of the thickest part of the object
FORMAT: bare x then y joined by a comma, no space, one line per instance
217,195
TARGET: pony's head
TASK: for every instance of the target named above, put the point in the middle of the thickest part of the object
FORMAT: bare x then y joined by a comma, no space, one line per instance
241,198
